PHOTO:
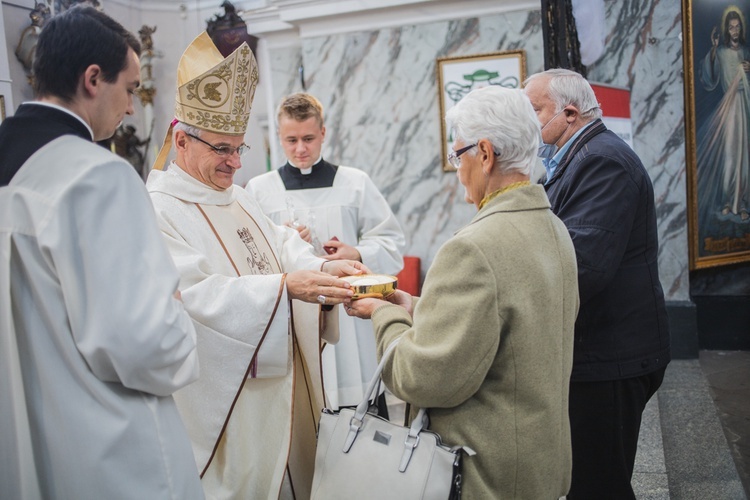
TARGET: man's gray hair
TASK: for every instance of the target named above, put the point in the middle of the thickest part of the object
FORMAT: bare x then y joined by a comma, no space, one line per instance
503,116
188,129
566,87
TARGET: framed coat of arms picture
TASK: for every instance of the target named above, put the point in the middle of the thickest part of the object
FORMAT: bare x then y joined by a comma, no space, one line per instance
457,76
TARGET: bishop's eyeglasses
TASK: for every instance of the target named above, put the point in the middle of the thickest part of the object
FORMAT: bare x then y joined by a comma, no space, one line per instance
223,150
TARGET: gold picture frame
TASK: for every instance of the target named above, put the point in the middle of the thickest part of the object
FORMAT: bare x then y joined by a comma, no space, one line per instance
457,76
2,108
717,150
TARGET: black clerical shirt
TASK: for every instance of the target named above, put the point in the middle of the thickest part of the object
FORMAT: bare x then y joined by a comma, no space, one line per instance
31,128
322,176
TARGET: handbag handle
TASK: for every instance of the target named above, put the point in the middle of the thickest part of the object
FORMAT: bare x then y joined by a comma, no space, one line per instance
372,387
355,424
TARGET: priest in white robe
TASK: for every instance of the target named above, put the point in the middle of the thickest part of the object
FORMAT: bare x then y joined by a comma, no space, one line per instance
93,338
343,214
252,416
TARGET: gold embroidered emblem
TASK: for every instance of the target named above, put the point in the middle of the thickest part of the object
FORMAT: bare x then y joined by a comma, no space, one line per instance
210,92
257,262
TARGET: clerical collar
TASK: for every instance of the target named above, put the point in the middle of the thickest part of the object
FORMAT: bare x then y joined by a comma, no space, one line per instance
320,175
64,110
305,171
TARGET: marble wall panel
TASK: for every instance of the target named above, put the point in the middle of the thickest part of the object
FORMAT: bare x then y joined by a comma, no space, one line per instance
380,93
644,54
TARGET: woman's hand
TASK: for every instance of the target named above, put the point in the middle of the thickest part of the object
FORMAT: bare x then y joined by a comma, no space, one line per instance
403,299
363,308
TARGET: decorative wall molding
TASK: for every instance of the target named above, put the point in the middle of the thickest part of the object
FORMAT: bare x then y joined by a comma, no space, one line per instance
285,22
183,5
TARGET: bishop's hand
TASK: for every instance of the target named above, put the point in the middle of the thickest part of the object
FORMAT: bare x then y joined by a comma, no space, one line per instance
317,287
345,268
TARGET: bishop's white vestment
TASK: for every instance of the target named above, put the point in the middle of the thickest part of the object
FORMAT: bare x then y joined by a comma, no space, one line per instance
92,341
239,414
353,210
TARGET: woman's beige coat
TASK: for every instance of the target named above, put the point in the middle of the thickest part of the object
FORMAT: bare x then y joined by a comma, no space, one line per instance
490,347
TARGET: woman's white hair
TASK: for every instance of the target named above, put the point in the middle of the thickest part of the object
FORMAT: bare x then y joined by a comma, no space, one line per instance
503,116
566,87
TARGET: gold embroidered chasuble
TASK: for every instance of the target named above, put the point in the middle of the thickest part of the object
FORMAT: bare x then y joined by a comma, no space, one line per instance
250,253
246,439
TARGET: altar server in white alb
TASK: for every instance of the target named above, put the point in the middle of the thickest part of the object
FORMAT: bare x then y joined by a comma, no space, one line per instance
252,415
93,337
341,212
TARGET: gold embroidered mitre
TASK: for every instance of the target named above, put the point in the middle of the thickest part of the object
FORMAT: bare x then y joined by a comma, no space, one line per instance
214,93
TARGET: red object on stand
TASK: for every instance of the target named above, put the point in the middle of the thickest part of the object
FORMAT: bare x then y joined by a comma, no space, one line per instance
408,278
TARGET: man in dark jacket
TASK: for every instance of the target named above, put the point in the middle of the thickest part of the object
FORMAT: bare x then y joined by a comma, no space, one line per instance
599,188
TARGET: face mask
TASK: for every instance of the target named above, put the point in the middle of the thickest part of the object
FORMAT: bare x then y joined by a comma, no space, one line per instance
547,151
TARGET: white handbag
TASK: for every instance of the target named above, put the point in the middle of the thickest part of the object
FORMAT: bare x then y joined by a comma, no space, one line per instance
361,455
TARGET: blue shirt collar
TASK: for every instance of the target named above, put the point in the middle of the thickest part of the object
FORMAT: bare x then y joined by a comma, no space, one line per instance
550,165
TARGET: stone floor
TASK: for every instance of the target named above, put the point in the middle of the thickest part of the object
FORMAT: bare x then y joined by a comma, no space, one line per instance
695,435
728,377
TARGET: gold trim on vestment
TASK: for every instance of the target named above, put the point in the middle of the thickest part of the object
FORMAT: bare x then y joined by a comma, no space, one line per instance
244,378
221,242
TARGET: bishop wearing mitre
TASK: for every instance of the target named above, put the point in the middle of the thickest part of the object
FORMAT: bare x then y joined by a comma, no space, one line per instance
255,291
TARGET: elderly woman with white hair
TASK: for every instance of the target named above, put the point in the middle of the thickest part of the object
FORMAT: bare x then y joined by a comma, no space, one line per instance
488,346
